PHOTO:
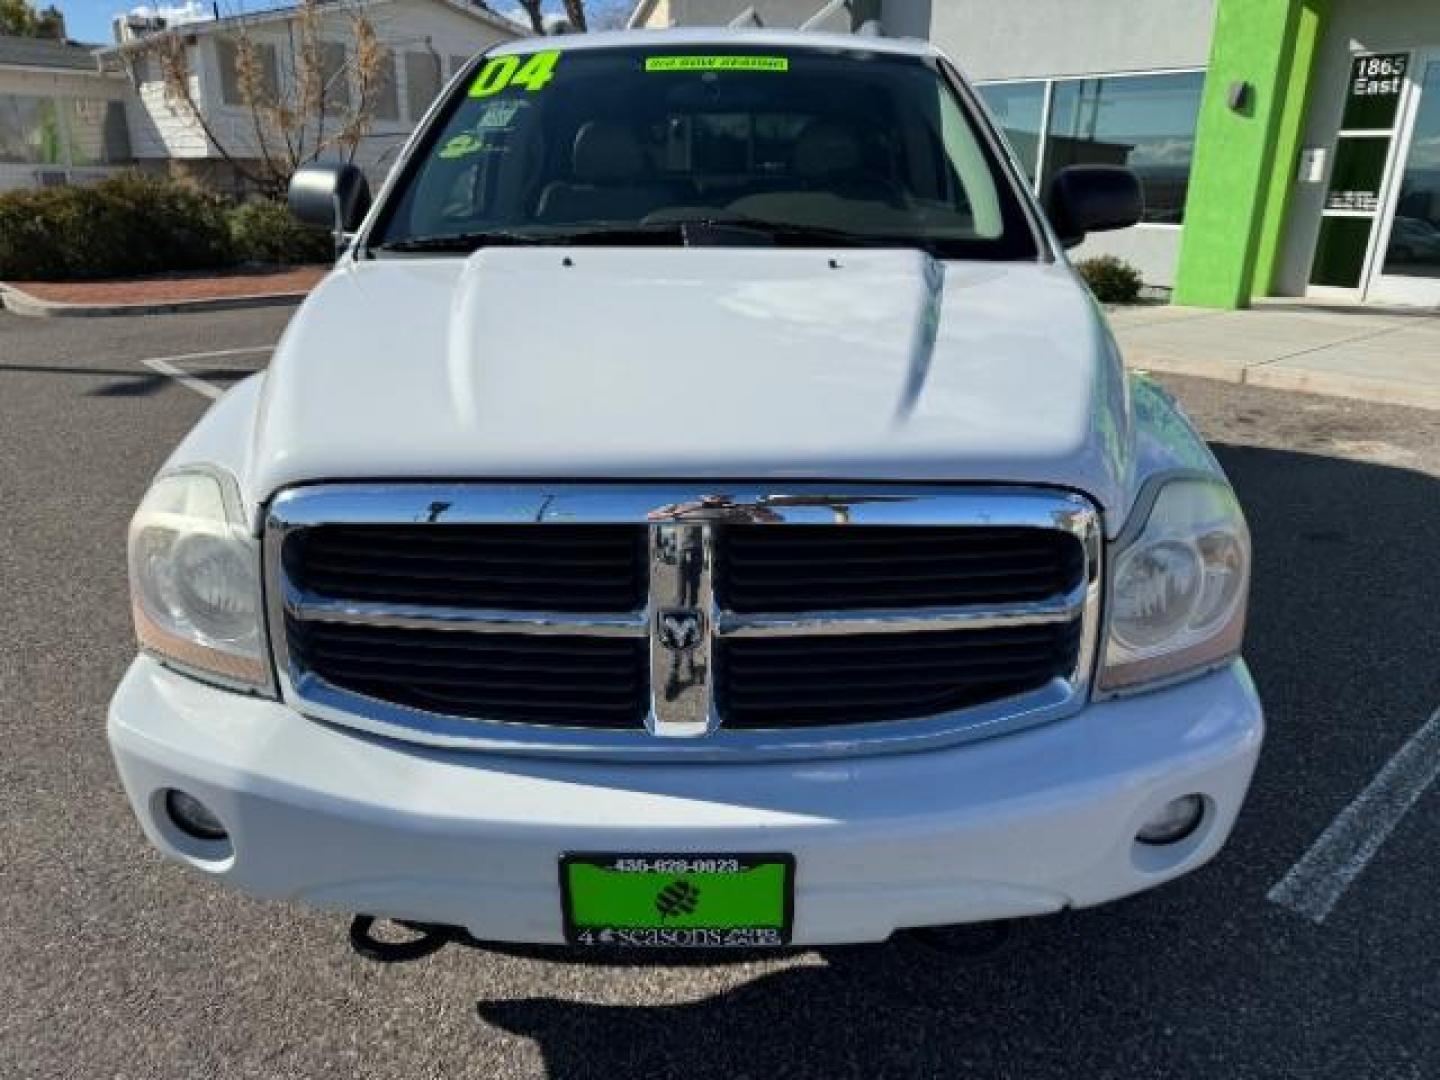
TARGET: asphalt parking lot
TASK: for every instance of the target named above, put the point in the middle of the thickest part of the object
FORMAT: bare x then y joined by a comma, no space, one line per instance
116,964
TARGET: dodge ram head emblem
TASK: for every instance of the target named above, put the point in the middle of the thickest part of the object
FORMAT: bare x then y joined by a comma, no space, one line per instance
680,629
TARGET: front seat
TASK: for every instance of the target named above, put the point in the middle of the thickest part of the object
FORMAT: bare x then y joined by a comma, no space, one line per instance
609,180
829,157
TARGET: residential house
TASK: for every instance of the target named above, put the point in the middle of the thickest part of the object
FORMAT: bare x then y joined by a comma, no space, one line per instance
822,15
427,42
62,118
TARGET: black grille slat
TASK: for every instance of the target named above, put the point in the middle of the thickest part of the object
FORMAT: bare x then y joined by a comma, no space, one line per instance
765,681
770,569
868,678
580,568
566,680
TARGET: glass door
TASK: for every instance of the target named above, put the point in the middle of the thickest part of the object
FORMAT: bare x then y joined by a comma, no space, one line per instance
1406,263
1352,212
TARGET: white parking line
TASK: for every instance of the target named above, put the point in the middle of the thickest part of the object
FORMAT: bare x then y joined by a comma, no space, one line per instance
1316,883
165,365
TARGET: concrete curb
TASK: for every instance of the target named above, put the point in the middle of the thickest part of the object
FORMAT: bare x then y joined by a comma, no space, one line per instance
1280,376
22,303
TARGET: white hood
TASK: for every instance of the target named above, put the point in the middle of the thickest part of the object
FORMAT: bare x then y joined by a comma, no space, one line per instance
661,363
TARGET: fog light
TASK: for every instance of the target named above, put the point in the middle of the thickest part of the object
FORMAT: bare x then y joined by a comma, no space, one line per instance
192,817
1176,820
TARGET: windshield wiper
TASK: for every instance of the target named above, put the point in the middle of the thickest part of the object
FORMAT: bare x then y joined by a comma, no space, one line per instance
693,231
549,237
458,242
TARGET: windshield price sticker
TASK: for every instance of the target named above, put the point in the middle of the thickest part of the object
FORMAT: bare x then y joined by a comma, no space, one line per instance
530,72
717,63
462,145
499,115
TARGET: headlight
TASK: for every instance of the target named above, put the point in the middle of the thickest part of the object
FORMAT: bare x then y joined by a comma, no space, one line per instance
1179,587
195,581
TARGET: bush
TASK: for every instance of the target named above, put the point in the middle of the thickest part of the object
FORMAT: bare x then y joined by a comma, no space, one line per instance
1112,280
126,225
267,232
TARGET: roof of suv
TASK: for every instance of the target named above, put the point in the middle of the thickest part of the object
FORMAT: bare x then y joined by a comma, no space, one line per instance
713,37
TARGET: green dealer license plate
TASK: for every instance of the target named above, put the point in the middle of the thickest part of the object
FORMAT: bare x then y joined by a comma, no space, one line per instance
678,901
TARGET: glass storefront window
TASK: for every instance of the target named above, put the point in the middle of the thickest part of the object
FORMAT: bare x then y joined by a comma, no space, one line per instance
1414,248
1019,108
1146,122
29,131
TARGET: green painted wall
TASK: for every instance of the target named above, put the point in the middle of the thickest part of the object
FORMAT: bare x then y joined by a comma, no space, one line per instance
1241,176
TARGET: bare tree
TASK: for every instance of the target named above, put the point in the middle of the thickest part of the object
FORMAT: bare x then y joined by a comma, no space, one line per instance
578,15
298,100
575,13
534,14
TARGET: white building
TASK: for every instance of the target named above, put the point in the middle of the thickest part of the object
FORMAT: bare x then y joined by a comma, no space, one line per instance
61,118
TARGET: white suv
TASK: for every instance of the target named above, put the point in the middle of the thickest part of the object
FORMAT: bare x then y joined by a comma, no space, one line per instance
702,507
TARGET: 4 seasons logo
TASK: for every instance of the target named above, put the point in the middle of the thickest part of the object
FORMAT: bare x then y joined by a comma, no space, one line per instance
680,897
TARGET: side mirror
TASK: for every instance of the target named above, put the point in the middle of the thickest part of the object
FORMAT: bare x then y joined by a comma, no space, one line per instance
1093,198
333,197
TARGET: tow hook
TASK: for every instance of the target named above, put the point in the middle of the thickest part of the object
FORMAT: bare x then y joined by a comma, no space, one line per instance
431,938
970,941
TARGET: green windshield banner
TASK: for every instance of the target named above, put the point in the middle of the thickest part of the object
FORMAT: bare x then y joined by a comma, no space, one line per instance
717,63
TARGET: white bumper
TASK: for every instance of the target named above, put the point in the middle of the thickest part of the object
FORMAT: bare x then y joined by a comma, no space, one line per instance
1018,825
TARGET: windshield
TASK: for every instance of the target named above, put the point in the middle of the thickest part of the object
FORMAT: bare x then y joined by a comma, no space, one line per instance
802,147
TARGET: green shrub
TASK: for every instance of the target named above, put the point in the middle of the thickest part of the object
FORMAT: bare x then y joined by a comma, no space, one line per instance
267,232
1112,280
127,224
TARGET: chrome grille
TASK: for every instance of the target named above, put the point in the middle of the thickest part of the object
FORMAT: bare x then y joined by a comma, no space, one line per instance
650,619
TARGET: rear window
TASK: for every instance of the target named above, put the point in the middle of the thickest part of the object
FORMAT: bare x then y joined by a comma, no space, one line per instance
802,146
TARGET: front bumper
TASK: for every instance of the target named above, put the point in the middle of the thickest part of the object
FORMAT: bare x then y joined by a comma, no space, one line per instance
1022,824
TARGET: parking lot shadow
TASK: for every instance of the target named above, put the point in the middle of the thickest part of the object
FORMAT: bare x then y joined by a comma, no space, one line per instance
1202,977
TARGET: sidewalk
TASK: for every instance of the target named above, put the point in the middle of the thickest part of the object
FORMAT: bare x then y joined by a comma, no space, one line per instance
165,292
1390,356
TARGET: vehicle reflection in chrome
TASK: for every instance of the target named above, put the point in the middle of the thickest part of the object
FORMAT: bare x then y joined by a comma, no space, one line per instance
764,511
681,595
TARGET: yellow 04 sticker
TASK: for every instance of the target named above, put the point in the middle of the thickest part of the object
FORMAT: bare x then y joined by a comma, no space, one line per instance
531,72
717,63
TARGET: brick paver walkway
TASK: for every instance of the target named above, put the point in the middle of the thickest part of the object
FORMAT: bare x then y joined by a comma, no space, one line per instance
171,288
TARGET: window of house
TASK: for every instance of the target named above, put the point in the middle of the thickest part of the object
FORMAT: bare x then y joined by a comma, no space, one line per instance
96,132
386,94
334,76
230,51
1146,122
30,131
1019,108
422,82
